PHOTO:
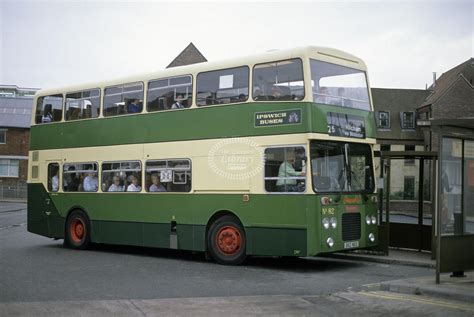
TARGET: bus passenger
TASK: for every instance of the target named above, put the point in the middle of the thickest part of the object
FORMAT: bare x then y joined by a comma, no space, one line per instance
156,186
345,102
91,183
55,181
134,187
115,187
287,170
71,181
322,95
47,113
178,103
134,106
276,93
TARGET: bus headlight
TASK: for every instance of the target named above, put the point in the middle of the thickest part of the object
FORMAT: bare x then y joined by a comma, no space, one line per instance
326,223
330,242
374,220
333,222
371,237
367,220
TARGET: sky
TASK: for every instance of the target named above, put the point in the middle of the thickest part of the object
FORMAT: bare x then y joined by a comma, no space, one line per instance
58,43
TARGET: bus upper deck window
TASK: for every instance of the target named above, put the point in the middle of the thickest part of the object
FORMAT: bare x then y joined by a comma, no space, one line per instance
82,105
170,93
49,109
278,81
223,86
123,99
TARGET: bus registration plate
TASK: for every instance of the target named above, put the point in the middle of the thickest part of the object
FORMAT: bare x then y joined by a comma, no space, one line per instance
351,244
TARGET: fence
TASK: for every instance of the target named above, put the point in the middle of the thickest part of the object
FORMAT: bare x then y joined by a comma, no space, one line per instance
13,192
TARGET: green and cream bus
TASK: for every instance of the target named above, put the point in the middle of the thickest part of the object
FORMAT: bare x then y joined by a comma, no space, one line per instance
267,155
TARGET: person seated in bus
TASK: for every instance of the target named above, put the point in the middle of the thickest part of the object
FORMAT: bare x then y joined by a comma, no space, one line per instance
71,181
258,94
156,185
55,180
47,113
322,96
345,102
91,182
276,93
134,187
134,106
178,103
116,187
287,170
242,97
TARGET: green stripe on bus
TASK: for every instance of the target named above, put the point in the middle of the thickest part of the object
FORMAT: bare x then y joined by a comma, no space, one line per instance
190,124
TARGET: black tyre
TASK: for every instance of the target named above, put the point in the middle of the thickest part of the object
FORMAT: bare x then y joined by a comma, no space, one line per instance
78,230
226,241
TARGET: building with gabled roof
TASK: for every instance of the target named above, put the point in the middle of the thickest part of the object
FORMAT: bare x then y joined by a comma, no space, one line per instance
451,97
190,55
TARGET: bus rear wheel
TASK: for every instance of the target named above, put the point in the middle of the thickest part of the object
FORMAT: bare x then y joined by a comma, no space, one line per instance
226,241
78,230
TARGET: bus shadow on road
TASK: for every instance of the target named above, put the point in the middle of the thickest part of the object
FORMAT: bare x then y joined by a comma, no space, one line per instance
293,264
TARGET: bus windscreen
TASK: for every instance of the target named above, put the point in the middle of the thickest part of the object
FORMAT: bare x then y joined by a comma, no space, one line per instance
339,85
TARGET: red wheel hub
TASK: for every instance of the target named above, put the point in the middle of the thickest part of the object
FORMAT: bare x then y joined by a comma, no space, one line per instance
228,240
77,230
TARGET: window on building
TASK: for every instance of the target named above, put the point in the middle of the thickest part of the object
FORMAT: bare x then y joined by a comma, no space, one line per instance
385,147
223,86
170,93
280,81
409,187
168,175
410,161
80,177
53,177
407,120
284,169
123,176
9,168
49,109
123,99
3,136
383,120
83,104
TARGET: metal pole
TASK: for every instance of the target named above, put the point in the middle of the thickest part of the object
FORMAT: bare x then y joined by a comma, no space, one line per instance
438,207
420,202
434,194
381,190
387,202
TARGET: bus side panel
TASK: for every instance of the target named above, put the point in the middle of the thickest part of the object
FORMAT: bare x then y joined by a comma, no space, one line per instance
43,216
274,224
276,241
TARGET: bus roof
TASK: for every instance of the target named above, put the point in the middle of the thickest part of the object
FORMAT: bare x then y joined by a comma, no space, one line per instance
320,53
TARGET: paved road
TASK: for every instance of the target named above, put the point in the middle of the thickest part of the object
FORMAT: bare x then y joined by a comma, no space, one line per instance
39,276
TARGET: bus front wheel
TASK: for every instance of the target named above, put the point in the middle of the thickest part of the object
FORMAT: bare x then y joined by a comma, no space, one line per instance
226,241
78,230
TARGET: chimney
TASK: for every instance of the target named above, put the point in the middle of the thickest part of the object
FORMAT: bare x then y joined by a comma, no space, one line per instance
434,79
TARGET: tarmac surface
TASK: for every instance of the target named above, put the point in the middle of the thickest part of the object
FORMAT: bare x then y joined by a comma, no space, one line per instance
40,277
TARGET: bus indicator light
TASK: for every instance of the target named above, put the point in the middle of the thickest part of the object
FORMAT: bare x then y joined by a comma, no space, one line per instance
325,200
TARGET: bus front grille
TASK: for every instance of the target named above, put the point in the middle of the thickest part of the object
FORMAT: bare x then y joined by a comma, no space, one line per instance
350,226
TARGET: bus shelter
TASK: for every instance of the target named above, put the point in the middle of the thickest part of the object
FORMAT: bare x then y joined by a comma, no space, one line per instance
415,230
455,192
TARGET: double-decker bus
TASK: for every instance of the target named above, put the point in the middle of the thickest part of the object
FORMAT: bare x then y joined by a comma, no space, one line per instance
267,155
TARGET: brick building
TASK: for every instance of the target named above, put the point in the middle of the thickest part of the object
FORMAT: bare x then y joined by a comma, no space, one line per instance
15,117
395,118
451,97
